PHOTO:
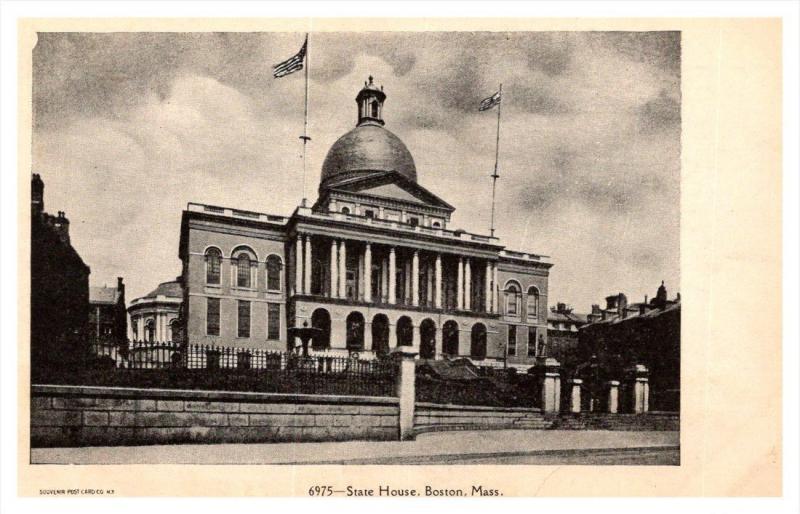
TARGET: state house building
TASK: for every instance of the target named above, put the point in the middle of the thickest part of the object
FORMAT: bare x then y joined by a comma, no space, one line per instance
372,263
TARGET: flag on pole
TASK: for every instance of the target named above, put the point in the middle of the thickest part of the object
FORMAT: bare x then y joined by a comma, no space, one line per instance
292,64
490,102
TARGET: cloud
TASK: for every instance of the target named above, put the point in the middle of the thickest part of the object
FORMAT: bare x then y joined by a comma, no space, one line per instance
131,127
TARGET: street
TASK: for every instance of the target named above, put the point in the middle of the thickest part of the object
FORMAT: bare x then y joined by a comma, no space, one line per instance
463,447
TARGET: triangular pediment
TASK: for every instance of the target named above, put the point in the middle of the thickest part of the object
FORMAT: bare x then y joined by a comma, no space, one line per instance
393,186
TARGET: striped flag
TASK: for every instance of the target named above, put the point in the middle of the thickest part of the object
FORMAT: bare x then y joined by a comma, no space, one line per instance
490,102
292,64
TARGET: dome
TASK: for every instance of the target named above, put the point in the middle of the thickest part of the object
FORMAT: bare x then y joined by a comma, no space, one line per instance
367,148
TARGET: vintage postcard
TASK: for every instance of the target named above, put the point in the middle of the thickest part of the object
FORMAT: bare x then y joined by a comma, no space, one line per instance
459,249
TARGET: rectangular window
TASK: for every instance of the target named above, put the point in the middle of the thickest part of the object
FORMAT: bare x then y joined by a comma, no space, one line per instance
531,341
512,340
369,213
413,221
273,321
212,316
244,319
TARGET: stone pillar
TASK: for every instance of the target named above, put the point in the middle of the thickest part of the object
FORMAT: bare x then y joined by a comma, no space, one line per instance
613,396
342,268
368,273
298,273
415,279
360,277
334,270
438,273
385,280
549,384
368,335
406,281
392,276
429,284
639,388
404,389
467,286
487,282
307,284
416,337
495,290
460,285
575,398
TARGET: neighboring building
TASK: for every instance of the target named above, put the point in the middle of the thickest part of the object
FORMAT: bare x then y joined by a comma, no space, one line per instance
649,333
155,316
108,319
562,335
372,263
59,287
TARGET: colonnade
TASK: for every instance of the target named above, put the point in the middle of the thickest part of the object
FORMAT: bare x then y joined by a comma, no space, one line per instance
384,261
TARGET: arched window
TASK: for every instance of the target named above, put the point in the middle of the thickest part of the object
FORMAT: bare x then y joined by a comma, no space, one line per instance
345,210
405,331
436,224
477,348
274,266
513,293
173,329
150,330
135,328
213,262
321,319
355,331
450,338
244,267
427,334
532,307
374,109
380,334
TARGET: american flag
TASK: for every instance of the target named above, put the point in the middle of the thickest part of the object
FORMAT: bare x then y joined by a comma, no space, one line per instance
292,64
490,102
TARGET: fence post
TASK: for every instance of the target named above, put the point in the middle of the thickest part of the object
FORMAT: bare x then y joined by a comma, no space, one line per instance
547,368
613,396
575,403
640,388
405,390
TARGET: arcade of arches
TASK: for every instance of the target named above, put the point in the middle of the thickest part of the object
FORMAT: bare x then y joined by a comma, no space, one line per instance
380,335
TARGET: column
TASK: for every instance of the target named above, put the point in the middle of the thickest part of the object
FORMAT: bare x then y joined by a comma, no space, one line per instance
298,272
429,277
368,273
406,281
392,276
360,277
334,270
550,384
613,396
575,399
495,290
467,286
487,282
342,268
438,272
404,389
415,279
307,285
460,285
385,279
639,388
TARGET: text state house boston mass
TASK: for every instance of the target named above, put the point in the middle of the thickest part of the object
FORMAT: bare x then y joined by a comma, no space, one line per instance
372,263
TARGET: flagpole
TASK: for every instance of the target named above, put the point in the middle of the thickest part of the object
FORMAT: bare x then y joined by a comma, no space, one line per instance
494,175
305,137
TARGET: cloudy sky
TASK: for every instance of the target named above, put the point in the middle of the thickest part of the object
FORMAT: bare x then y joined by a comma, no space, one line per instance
128,128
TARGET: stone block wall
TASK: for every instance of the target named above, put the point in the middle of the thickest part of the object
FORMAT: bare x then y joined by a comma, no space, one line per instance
103,416
438,417
661,421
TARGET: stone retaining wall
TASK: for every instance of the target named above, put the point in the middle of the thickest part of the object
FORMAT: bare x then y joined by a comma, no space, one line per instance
436,417
667,421
95,416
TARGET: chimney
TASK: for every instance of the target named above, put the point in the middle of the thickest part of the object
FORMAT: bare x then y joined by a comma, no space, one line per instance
595,309
120,286
642,308
661,296
61,226
622,304
611,302
37,195
561,307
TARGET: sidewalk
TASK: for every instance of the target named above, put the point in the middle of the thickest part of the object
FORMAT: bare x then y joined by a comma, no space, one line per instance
433,447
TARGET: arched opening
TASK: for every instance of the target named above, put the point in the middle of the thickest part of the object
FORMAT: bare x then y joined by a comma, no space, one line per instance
450,338
355,331
213,263
477,349
150,331
532,307
513,293
380,335
405,331
345,210
173,330
321,319
374,109
274,266
245,261
427,345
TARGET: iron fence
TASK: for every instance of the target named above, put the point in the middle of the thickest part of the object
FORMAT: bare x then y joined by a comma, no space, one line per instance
193,366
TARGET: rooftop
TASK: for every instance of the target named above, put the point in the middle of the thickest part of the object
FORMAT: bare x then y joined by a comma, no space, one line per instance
103,295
